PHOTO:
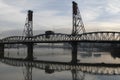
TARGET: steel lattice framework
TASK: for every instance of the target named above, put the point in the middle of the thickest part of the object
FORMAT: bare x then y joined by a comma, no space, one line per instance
28,31
60,38
78,26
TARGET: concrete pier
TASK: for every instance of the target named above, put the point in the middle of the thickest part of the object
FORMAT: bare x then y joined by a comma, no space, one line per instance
29,51
1,50
74,52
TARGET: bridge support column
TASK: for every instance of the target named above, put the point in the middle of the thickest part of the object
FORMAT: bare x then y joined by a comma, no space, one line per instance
74,52
30,51
1,50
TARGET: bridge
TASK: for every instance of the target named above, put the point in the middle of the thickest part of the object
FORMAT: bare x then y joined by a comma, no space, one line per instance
98,37
78,34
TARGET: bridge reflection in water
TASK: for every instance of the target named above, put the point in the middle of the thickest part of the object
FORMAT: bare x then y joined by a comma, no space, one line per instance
73,39
52,66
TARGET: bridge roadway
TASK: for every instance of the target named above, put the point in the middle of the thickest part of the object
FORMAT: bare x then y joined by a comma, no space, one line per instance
107,37
92,68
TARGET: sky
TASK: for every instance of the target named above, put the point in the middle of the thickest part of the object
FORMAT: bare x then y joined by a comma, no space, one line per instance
97,15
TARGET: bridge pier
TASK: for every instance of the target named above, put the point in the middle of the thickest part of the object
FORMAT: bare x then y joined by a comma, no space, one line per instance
74,52
1,50
29,51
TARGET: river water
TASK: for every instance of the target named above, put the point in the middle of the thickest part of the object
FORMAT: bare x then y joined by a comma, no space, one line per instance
8,72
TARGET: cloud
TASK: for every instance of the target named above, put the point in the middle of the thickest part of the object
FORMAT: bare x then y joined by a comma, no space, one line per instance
53,14
113,6
50,20
91,15
10,13
13,14
100,15
102,26
10,17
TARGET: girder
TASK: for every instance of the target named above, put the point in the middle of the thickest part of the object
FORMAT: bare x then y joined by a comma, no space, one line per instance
58,37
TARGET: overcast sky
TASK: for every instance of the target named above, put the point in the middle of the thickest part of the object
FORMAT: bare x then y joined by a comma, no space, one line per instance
97,15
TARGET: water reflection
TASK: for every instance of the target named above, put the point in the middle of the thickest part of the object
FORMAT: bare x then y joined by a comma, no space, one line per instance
101,57
76,75
27,72
78,70
47,67
113,49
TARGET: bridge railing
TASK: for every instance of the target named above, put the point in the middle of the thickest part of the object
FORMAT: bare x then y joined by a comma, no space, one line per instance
92,36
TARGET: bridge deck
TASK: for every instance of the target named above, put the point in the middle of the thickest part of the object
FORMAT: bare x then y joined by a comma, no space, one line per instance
104,37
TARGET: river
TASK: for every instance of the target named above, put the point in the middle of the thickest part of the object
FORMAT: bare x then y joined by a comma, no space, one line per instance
8,72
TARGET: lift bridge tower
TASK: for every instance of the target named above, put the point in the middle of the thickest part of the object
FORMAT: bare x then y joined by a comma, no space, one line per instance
28,32
28,28
78,27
